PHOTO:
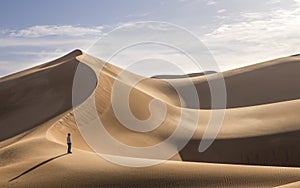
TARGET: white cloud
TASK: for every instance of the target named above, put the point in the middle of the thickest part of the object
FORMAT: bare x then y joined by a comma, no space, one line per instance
256,37
43,42
221,11
246,38
54,30
20,49
211,2
271,2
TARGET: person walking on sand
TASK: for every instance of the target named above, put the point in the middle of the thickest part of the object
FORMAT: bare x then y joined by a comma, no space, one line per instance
69,143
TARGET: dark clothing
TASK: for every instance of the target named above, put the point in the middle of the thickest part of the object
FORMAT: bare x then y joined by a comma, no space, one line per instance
69,143
69,147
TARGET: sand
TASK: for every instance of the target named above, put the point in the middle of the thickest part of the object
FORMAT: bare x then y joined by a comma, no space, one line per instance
256,146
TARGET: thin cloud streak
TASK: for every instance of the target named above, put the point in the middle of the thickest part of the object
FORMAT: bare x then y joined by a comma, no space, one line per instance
256,37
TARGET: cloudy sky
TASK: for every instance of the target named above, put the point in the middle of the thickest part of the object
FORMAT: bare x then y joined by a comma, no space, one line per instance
236,32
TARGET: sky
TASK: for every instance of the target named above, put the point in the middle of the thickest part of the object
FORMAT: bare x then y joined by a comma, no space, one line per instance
236,32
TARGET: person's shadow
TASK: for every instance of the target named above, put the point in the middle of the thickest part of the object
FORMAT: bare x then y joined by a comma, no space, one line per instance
36,166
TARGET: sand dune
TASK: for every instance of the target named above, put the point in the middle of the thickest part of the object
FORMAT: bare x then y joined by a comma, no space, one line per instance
184,76
264,83
27,98
261,127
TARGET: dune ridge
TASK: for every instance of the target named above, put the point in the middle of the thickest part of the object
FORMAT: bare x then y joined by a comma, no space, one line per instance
37,113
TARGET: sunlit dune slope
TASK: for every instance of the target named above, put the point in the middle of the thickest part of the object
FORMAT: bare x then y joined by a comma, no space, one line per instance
37,113
264,83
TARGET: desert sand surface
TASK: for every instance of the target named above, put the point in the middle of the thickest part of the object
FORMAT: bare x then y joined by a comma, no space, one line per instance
257,145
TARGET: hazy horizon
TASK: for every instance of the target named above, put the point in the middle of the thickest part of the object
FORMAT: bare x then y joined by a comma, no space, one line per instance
236,33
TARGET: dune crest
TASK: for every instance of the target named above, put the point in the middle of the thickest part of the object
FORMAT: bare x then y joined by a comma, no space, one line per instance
37,112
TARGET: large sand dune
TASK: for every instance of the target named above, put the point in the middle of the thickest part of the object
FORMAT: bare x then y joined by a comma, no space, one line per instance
261,127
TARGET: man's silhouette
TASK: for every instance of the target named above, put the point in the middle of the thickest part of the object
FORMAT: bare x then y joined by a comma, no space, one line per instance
69,143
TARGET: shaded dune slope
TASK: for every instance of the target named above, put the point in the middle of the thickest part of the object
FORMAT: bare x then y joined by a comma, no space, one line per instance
264,83
34,96
271,150
256,135
37,109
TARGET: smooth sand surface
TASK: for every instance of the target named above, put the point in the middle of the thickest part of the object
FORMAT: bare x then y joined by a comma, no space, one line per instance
257,145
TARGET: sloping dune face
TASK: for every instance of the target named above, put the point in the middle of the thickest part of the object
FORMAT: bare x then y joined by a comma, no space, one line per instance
139,100
36,95
37,103
258,134
264,83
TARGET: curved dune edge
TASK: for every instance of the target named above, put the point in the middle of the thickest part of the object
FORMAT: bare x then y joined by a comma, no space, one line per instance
264,83
84,168
290,185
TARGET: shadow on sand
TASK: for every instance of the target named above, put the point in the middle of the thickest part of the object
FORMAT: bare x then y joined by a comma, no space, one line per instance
38,165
